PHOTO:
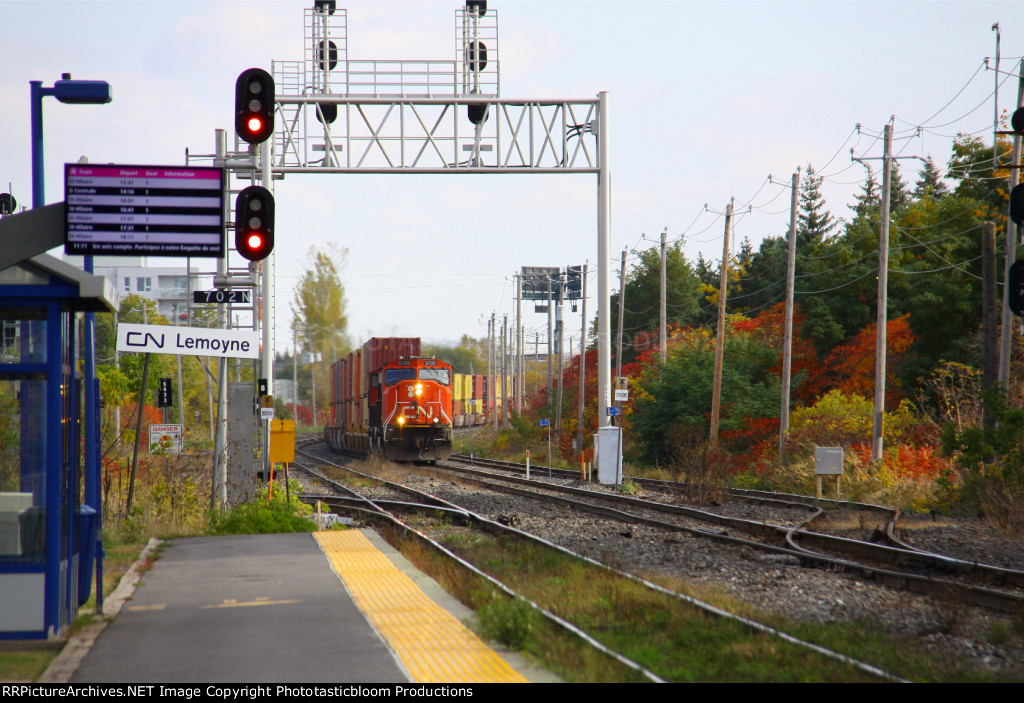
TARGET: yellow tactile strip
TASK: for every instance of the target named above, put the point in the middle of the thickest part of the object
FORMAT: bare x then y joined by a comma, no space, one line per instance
431,643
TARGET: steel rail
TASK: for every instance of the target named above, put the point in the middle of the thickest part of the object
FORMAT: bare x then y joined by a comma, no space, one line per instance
493,527
925,565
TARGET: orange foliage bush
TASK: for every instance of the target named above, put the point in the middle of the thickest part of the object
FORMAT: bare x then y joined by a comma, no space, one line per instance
851,367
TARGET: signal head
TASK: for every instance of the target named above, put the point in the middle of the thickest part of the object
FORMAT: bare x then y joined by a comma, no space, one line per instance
254,223
254,105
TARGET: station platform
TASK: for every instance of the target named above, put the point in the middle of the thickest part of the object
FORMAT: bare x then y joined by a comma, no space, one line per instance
328,607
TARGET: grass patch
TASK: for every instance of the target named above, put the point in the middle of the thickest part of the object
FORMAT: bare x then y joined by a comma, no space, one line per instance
26,661
672,639
676,641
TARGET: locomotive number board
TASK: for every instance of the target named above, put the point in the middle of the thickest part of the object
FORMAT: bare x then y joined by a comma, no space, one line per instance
116,210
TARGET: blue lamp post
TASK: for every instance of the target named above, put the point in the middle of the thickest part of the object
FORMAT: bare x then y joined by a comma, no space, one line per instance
66,91
76,92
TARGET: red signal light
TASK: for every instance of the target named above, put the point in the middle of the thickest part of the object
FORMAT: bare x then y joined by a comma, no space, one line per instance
254,105
254,223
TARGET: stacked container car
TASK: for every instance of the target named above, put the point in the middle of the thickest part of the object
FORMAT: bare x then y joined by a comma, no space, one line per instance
388,400
375,408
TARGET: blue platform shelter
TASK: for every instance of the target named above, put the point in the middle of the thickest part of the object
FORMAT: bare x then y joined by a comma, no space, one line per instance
48,534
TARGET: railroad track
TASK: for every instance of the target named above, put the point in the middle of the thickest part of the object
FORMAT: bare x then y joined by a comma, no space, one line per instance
901,566
896,565
391,497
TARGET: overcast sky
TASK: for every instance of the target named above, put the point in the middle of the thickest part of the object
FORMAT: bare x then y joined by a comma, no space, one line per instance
706,100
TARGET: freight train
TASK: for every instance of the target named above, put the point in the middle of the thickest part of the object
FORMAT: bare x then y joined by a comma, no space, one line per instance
388,400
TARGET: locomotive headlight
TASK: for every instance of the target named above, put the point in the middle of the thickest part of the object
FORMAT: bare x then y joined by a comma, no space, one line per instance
419,389
401,420
435,419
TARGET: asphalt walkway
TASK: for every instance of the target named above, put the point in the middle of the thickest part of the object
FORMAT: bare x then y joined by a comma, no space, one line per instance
280,609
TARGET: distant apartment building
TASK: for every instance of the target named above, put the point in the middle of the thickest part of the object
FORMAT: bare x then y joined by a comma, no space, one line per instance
167,285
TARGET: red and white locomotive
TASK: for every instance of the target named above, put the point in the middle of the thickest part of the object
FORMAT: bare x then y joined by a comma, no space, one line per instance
400,407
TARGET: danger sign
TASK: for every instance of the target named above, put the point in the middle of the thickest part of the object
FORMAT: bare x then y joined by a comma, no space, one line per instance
165,439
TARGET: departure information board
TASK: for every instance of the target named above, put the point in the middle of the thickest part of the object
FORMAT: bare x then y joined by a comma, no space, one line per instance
144,210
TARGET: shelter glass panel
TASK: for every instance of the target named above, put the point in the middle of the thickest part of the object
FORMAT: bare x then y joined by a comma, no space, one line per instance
22,335
22,470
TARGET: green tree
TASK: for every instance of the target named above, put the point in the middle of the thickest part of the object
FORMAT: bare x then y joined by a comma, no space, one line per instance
929,182
673,400
898,193
471,354
814,221
970,167
642,312
820,256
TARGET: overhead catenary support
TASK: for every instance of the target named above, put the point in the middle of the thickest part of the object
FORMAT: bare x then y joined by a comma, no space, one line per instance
604,366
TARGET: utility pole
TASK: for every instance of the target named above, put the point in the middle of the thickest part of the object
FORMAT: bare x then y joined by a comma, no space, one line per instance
988,313
787,343
492,370
1011,249
504,372
519,345
622,302
219,484
551,337
295,374
662,328
583,357
881,337
716,394
559,326
536,357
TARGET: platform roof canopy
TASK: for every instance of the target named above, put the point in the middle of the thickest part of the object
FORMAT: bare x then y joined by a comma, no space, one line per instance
94,293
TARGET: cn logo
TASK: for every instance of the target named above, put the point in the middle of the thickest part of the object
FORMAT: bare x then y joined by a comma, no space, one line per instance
132,339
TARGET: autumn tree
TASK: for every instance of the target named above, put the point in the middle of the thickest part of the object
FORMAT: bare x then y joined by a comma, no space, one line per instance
319,320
